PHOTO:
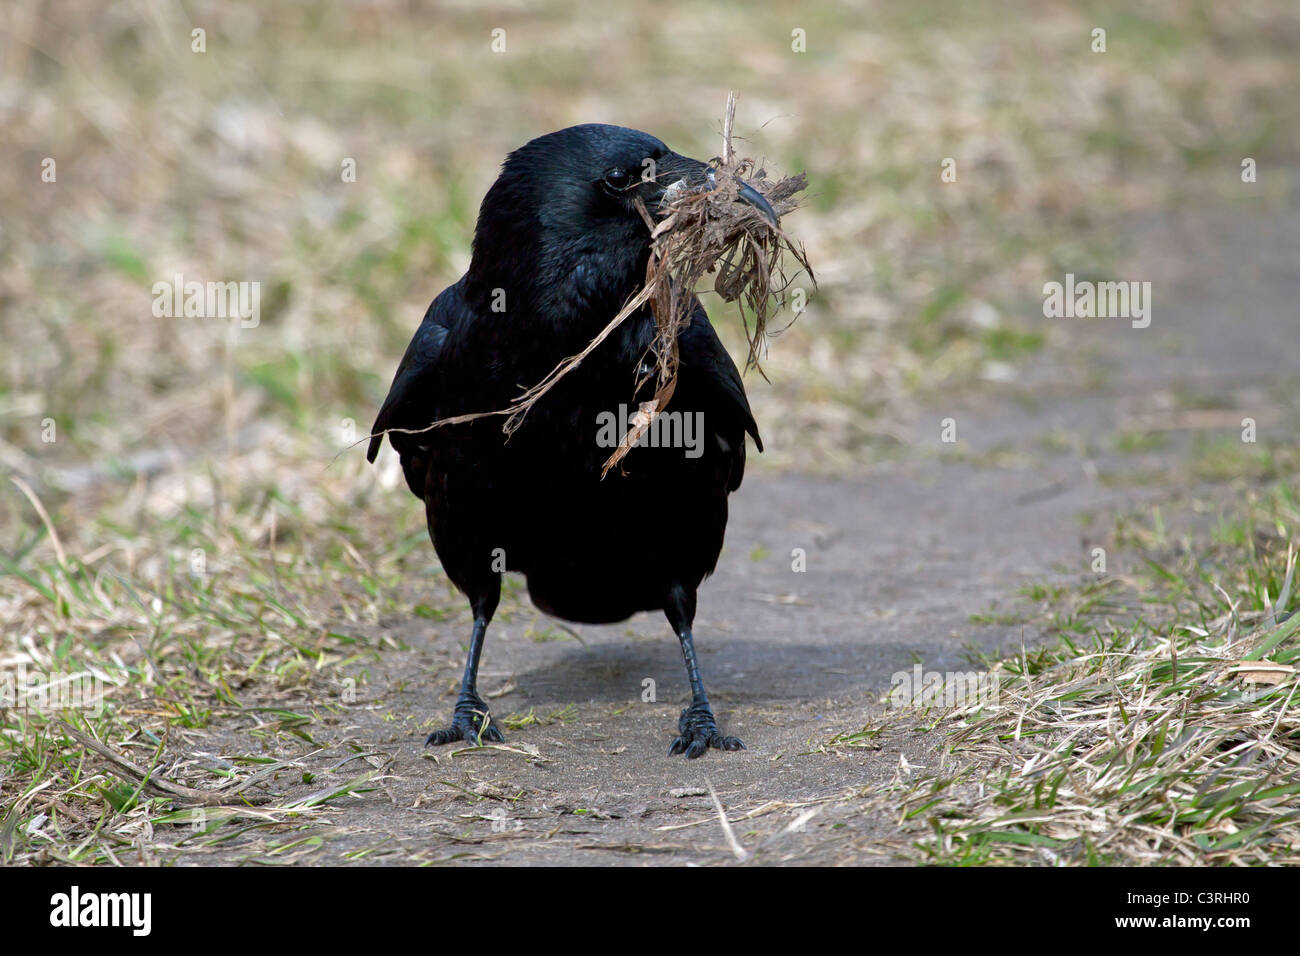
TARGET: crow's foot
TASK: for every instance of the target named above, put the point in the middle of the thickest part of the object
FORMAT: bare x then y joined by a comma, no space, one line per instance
698,731
470,722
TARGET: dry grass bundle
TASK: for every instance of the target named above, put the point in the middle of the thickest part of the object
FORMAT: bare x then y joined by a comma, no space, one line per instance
707,230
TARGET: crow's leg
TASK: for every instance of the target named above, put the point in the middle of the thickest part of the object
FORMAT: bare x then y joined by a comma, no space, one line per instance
697,730
470,721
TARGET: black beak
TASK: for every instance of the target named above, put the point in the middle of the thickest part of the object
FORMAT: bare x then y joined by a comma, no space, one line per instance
748,194
683,173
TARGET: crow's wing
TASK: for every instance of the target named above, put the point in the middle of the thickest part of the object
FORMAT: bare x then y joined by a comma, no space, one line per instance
710,373
416,397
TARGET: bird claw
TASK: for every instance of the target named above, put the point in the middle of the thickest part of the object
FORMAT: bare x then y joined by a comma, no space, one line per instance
470,722
698,731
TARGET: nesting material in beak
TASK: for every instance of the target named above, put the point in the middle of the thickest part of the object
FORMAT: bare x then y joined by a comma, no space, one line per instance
732,225
731,222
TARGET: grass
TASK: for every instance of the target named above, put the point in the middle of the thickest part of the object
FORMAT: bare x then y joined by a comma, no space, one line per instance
261,615
1159,729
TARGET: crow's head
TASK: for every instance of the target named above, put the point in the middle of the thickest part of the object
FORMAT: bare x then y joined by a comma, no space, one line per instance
560,230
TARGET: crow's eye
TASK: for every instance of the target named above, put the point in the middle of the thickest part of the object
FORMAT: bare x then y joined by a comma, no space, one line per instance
618,178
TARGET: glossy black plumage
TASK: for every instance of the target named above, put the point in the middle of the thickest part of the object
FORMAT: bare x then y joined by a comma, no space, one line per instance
558,250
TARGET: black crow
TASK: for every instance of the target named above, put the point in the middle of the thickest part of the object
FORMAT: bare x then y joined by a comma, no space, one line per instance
558,250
